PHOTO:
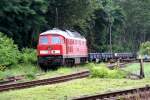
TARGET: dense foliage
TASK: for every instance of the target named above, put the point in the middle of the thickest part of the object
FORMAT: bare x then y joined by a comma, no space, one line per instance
137,22
22,19
9,53
126,22
28,56
102,71
145,48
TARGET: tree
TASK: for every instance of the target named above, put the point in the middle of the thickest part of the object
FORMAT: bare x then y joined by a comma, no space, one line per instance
21,19
69,13
117,24
137,23
106,15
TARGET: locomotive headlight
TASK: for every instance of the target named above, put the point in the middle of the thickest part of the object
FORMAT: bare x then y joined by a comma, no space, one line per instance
55,51
43,51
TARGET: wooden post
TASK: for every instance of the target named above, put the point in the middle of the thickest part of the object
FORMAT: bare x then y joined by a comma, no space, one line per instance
118,64
141,69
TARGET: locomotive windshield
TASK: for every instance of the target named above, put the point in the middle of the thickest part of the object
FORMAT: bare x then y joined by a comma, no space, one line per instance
56,40
43,40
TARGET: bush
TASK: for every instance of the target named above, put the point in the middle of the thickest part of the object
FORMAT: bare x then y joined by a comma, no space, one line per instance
9,53
28,56
116,74
101,71
145,48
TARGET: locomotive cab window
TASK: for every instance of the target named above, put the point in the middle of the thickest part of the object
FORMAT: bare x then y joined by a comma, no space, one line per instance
56,40
43,40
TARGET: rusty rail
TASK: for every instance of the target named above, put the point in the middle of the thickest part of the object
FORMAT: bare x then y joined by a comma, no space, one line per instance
142,93
14,79
54,80
11,79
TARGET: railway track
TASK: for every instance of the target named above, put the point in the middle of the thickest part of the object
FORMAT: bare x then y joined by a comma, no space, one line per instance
142,93
54,80
14,79
11,84
11,79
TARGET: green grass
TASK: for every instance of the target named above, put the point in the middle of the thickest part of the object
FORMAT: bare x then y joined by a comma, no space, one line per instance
21,69
73,88
31,70
135,68
67,90
62,71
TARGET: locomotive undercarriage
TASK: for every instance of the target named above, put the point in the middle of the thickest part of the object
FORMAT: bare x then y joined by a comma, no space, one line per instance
54,61
49,61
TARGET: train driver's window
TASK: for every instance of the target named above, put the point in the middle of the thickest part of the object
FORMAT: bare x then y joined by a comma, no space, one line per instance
43,40
55,40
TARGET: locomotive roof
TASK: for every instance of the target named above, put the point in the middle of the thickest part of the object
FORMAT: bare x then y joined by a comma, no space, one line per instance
65,33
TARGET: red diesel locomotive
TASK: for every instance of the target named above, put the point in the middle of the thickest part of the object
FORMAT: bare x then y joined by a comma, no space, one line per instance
61,47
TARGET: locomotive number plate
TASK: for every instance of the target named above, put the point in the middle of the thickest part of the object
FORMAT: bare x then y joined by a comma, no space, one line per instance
44,52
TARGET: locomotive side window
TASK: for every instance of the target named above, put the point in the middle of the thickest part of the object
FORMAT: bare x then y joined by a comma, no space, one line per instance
43,40
55,40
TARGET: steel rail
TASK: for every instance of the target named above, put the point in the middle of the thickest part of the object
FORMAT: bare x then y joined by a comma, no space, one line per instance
130,94
54,80
14,79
